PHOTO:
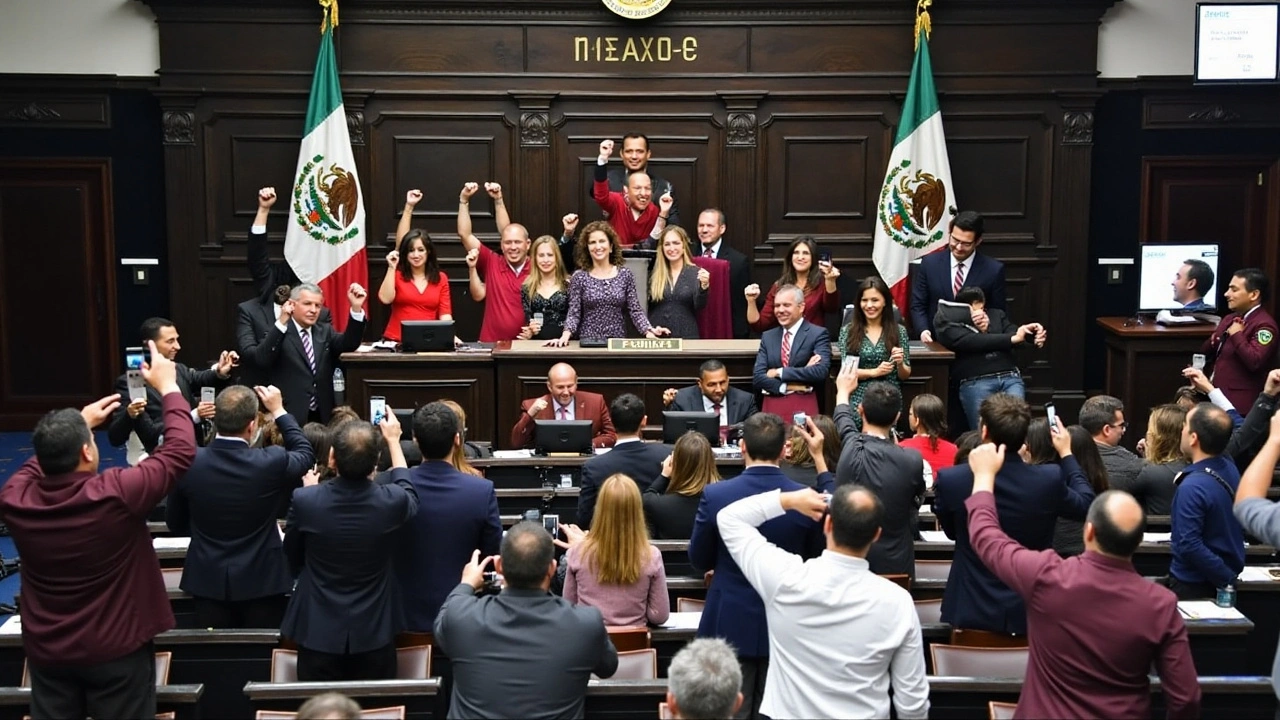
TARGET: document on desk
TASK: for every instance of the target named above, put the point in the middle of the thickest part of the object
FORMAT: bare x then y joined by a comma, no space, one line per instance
512,454
171,543
12,626
1157,537
683,621
1259,573
936,536
1207,610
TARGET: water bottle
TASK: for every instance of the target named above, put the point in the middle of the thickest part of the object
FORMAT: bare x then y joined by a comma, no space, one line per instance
1226,596
339,387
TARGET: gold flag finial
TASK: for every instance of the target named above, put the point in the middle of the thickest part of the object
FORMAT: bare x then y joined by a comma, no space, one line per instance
923,25
330,18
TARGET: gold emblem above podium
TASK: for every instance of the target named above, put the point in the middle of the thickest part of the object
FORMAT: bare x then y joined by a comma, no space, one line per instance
636,9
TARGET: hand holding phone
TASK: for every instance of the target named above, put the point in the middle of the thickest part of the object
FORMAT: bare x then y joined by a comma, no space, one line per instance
133,359
849,362
1052,413
208,395
377,409
551,523
1197,361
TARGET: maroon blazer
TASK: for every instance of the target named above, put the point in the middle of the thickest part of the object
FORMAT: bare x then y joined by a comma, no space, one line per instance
91,585
587,406
1240,362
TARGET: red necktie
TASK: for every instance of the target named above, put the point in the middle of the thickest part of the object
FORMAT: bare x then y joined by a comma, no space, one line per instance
786,347
564,412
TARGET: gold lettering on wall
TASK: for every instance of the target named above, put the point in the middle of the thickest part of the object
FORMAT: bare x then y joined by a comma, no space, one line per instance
634,49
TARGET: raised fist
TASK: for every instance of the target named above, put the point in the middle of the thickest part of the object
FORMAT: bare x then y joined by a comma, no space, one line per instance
704,278
606,148
494,190
393,258
468,190
570,223
356,296
668,396
665,202
751,292
412,197
266,197
473,256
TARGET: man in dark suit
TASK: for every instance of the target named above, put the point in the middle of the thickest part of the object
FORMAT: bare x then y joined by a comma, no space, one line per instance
630,456
734,611
457,515
235,570
1243,347
340,536
712,394
146,416
711,236
564,401
792,382
1029,499
872,459
940,275
523,653
299,354
272,281
92,595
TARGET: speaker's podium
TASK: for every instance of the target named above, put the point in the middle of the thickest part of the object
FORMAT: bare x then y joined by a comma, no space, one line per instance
638,260
1145,363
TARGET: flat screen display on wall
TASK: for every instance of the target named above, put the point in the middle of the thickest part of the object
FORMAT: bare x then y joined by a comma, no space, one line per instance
1236,42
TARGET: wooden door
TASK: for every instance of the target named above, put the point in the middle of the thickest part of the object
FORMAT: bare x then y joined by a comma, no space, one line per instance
1232,201
57,287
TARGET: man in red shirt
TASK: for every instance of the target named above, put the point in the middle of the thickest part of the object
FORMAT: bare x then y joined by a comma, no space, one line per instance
92,597
632,212
1095,625
503,274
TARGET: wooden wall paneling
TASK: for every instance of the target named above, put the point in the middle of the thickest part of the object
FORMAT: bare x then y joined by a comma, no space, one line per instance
189,224
740,197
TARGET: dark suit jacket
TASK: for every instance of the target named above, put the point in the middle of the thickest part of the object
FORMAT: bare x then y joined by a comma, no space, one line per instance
285,361
1240,362
932,282
1029,499
340,536
739,279
810,340
587,406
734,611
522,653
254,320
150,424
227,503
669,516
457,515
896,475
741,404
640,461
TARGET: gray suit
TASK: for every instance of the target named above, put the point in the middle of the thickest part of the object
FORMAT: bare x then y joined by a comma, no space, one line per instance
741,404
523,653
896,475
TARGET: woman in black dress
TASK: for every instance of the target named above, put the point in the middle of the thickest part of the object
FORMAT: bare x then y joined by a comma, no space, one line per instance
546,293
671,502
677,287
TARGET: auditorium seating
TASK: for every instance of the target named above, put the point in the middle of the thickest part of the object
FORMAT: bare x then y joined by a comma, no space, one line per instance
983,662
412,663
394,712
637,664
1001,710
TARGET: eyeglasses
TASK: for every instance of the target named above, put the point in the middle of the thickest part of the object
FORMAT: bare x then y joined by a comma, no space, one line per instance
1122,425
962,243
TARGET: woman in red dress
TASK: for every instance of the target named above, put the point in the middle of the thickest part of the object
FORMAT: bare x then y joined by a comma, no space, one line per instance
414,287
815,277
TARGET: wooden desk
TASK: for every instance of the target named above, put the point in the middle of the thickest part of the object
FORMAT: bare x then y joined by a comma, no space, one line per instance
490,387
1145,363
1236,697
182,700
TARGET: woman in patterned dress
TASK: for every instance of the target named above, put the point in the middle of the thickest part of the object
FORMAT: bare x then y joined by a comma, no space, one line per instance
879,341
602,292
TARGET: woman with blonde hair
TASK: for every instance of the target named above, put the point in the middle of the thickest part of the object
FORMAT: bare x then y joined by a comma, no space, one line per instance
545,294
1153,488
458,458
677,287
671,502
614,568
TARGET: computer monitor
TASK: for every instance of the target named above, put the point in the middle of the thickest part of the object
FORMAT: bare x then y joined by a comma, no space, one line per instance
562,436
678,422
1159,266
1237,42
426,336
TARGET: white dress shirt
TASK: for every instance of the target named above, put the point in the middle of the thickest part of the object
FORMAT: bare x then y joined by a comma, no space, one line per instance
713,247
838,633
708,406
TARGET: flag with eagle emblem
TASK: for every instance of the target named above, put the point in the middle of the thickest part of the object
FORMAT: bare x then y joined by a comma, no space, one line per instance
917,199
325,241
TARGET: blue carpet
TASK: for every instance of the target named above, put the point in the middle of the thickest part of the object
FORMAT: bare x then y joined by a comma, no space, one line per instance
15,448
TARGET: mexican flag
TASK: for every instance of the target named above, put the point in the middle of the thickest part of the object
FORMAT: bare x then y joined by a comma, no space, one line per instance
917,200
326,238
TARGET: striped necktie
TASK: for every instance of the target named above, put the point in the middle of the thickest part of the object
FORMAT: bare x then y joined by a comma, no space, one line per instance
309,349
786,347
959,280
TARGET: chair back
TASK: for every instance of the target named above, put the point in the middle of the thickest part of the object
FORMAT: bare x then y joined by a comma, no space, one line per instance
933,569
637,665
901,579
629,637
164,661
664,712
684,604
284,665
171,715
172,577
929,611
393,712
1008,663
275,715
413,663
1001,710
986,639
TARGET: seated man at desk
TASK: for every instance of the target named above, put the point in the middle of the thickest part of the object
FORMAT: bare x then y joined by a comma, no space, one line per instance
1084,663
712,394
564,401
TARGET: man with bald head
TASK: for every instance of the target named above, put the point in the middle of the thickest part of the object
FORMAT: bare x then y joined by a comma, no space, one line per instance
504,274
1207,542
638,220
1096,627
564,401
